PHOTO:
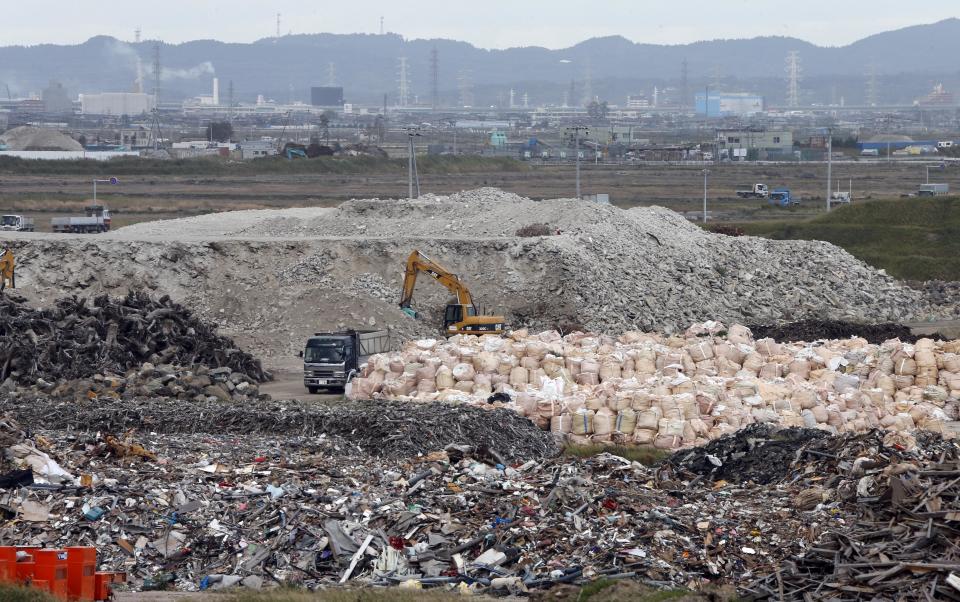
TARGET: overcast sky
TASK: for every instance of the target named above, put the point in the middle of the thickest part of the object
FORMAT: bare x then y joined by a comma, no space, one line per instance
484,23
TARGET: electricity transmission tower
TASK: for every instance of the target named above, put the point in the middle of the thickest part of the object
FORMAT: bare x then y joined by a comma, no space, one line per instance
404,81
793,78
434,79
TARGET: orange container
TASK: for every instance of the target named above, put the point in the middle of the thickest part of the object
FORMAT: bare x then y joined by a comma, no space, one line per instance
102,581
8,562
24,570
81,566
51,567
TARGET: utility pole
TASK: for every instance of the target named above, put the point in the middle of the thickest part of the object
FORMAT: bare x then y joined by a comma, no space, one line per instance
829,165
412,163
577,129
706,172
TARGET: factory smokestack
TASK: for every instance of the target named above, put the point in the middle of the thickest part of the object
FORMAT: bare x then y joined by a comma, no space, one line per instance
216,91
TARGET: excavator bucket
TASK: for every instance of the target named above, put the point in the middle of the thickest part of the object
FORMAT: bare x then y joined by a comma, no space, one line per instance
409,312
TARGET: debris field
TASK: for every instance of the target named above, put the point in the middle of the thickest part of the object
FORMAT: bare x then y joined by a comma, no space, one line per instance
811,458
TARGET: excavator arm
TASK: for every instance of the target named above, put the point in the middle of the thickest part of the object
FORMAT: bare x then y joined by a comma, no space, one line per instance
7,273
416,263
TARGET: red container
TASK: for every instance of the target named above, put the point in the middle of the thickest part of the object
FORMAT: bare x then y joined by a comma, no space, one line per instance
81,566
51,567
102,581
8,562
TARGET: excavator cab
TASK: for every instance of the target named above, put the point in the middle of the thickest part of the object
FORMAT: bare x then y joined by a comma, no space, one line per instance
454,314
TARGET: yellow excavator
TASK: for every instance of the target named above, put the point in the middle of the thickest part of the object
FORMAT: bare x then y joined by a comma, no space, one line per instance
7,273
461,317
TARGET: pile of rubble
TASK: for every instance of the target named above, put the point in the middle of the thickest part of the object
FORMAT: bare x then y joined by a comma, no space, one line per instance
212,510
673,391
165,381
859,516
108,337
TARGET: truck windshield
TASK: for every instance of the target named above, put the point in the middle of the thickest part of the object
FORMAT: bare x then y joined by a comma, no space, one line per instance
324,352
8,220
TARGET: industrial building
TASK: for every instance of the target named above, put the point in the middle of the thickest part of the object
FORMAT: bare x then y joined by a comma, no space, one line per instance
726,104
751,144
116,103
255,149
326,96
55,99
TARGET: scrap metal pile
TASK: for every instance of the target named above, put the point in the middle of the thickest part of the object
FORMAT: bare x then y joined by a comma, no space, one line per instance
679,391
75,339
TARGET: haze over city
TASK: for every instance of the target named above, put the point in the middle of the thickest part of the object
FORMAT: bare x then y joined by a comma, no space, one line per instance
490,24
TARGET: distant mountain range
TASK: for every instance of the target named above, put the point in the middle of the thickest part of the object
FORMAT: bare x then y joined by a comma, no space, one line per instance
907,62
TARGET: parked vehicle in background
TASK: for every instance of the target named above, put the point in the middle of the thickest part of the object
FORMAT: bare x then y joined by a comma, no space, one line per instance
332,359
96,220
759,191
870,152
933,190
16,223
782,197
840,197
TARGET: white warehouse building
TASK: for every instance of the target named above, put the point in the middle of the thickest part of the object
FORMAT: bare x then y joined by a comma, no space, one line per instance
116,103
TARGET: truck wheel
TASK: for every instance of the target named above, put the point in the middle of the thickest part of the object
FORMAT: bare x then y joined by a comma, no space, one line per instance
313,390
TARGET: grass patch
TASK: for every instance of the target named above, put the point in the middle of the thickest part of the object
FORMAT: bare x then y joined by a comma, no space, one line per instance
642,454
593,588
912,239
13,593
213,166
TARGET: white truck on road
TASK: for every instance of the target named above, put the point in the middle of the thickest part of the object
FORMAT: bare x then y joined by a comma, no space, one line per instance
97,219
759,191
16,223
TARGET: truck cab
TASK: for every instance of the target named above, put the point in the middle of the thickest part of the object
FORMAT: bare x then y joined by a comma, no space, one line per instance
332,359
16,223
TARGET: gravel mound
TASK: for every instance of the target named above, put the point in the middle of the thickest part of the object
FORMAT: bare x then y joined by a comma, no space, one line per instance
609,270
383,429
26,138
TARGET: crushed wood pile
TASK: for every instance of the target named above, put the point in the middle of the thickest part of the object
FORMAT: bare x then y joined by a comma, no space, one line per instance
78,339
676,391
390,429
816,330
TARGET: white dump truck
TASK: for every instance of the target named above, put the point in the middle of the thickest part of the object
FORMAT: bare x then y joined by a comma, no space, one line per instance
758,191
16,223
97,219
